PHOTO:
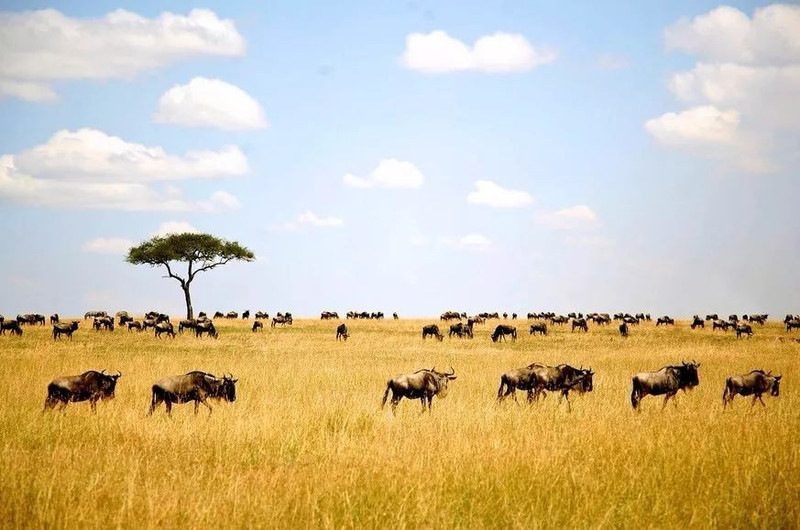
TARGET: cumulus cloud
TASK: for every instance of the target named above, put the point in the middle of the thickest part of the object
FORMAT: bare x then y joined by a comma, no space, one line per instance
207,102
39,47
390,173
491,194
742,92
310,218
90,169
108,245
175,227
579,217
438,52
475,242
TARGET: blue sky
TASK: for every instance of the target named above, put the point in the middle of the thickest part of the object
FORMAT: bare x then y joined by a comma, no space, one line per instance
506,155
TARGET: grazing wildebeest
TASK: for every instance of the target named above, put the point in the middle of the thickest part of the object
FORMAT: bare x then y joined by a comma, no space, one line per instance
553,378
792,324
733,318
753,384
460,330
433,330
720,324
341,332
148,323
450,315
281,319
744,329
257,326
219,314
134,325
540,328
54,318
623,330
502,330
206,327
262,315
63,328
631,321
232,314
106,323
188,323
164,327
580,323
581,384
90,386
422,385
193,386
124,319
697,322
667,380
91,314
12,326
665,320
559,320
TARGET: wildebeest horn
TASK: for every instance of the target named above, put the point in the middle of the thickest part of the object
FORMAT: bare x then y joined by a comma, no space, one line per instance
452,370
103,371
119,374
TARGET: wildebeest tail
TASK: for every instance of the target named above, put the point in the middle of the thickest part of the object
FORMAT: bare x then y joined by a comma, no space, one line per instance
386,394
727,392
635,392
503,382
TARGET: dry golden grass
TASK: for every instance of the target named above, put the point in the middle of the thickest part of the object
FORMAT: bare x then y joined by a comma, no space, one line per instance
307,445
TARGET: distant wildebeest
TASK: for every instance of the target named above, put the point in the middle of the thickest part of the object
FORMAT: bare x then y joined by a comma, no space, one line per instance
712,317
135,325
193,386
450,315
631,321
395,317
281,319
261,315
148,323
124,319
91,386
744,329
720,324
92,314
422,385
623,330
12,326
665,320
667,381
460,330
540,328
257,326
54,318
341,332
513,316
698,322
64,328
580,324
219,314
164,327
232,314
432,330
761,319
106,323
753,384
555,378
206,327
733,318
792,324
560,320
502,330
246,314
188,323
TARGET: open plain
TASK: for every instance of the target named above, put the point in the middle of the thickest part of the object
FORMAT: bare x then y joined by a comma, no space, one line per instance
306,443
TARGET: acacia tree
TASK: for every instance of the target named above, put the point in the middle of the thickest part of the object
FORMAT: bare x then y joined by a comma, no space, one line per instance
201,252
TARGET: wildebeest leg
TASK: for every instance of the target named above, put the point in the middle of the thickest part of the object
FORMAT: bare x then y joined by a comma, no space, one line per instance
49,403
394,403
63,405
430,402
204,402
761,400
93,405
168,405
668,396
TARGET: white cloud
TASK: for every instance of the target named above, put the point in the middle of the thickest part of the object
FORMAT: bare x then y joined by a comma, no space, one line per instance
438,52
579,217
210,103
705,124
725,34
90,169
611,61
27,91
108,245
744,90
390,173
475,242
46,45
491,194
175,227
310,218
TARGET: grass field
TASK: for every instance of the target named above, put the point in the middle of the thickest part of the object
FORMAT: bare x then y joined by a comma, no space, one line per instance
306,443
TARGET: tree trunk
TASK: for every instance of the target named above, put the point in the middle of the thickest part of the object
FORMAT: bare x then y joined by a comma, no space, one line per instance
188,296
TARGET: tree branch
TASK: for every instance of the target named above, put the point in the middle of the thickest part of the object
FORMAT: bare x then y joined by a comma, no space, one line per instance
211,266
171,275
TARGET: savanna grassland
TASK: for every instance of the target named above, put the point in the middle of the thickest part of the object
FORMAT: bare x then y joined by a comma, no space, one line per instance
306,443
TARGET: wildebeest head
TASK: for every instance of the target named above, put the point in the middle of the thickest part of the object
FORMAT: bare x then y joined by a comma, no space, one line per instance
687,374
775,388
227,388
442,379
586,381
108,384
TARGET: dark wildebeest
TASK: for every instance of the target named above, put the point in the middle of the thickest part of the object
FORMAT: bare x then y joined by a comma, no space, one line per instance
519,379
63,328
148,323
394,316
712,317
54,318
540,328
164,327
193,386
502,330
281,319
623,330
667,381
450,315
134,325
697,322
246,314
580,323
341,332
560,320
733,318
90,386
257,325
124,319
581,384
460,330
206,327
262,315
188,323
665,320
433,330
91,314
219,314
11,325
553,378
720,324
792,324
106,323
744,329
232,314
753,384
422,385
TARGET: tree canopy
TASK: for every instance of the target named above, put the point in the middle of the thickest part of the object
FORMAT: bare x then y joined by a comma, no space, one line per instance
201,252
